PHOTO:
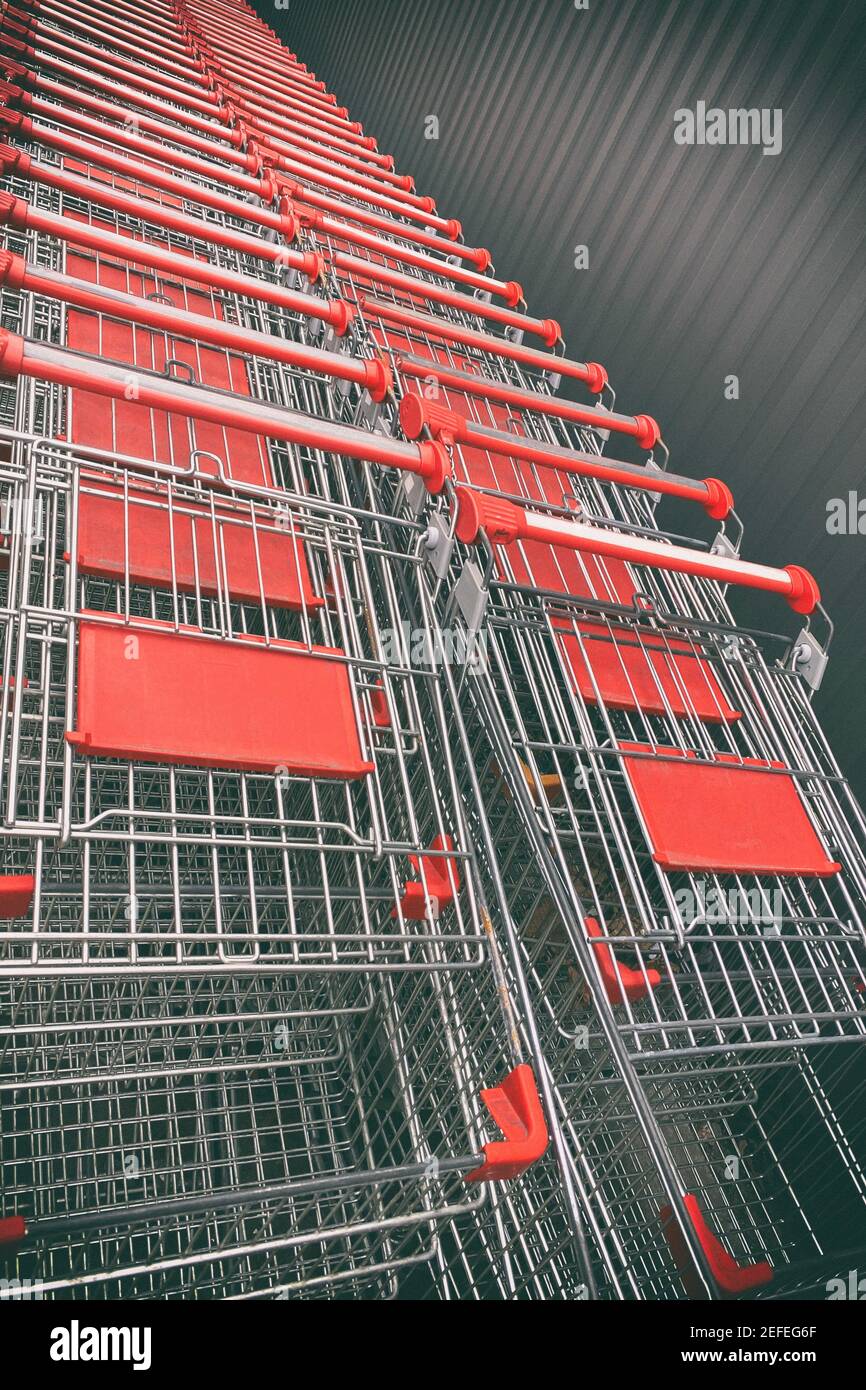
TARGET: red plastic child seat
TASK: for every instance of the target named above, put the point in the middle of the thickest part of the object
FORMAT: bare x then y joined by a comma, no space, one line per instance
650,674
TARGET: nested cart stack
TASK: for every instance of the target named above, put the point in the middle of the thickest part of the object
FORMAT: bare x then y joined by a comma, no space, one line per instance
256,1036
367,740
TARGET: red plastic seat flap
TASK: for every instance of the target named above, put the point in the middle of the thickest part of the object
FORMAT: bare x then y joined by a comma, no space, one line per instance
140,541
136,430
731,1277
652,675
730,817
156,695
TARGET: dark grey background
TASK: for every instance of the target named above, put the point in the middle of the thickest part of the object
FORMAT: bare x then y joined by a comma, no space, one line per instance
556,128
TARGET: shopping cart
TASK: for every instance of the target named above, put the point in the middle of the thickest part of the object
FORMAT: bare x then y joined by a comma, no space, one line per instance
250,991
272,423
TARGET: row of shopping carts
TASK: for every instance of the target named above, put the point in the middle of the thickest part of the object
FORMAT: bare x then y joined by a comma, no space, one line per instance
414,881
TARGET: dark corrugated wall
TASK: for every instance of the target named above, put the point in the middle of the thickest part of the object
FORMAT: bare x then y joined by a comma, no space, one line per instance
556,129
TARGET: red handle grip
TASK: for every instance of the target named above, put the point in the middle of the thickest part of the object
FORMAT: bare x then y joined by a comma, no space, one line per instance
503,522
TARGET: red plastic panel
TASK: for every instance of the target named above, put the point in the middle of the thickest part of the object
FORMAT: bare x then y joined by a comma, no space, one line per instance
13,1229
16,894
155,695
140,541
141,190
132,429
732,1278
731,817
647,674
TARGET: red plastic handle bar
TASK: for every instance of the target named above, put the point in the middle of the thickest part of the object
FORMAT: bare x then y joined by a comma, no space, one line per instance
255,36
21,357
166,24
88,56
252,56
504,522
400,207
160,214
121,135
127,93
731,1277
174,134
548,329
142,172
141,145
324,117
640,427
594,375
374,373
621,982
419,415
333,226
18,213
310,198
159,42
248,38
118,16
159,21
30,43
318,157
16,894
186,71
287,156
297,111
516,1108
230,68
299,131
250,62
299,135
243,28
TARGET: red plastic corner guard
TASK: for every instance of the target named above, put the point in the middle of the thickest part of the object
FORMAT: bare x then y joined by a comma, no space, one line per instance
621,982
441,877
13,1229
516,1108
16,894
731,1277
